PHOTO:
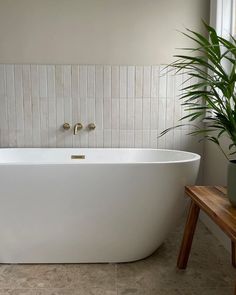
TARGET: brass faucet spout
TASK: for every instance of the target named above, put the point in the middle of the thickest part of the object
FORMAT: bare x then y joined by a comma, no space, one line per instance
77,127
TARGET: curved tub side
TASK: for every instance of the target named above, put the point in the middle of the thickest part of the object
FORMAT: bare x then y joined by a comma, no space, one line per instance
88,213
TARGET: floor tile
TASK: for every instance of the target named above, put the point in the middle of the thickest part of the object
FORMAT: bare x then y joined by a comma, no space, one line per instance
77,291
214,291
209,266
149,292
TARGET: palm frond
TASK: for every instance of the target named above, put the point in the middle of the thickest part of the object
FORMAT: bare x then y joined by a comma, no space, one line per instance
208,94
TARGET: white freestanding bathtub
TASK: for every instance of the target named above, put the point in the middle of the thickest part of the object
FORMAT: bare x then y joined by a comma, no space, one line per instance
89,205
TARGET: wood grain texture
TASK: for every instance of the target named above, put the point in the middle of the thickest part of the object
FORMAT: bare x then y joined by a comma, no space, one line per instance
214,202
188,235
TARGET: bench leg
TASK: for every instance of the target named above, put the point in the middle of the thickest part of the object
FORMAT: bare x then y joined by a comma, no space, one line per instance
233,253
188,235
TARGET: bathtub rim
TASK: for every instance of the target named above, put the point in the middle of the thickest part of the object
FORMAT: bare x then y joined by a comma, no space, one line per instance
195,157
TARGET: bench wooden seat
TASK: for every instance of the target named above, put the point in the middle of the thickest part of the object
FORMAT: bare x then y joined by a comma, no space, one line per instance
214,202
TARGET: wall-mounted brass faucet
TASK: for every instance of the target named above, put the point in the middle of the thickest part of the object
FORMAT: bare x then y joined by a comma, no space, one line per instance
77,128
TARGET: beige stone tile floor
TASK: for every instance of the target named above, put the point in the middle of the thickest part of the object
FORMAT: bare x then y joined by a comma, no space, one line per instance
209,273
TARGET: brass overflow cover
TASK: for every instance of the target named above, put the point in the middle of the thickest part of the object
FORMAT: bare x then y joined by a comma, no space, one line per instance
78,157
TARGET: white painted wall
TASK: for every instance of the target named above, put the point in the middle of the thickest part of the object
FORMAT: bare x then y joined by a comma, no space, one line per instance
215,173
96,31
215,165
86,35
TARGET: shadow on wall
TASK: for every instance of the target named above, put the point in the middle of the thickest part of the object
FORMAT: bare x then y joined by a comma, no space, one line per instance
215,173
215,164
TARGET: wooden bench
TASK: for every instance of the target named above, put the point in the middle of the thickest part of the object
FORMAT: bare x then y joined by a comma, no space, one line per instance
214,202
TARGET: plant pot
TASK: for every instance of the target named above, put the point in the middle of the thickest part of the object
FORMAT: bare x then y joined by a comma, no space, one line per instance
231,182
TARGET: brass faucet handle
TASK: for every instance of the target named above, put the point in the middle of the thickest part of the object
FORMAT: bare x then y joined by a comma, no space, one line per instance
66,126
91,126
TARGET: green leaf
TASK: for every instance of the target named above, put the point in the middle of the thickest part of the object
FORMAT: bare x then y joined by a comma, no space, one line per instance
209,91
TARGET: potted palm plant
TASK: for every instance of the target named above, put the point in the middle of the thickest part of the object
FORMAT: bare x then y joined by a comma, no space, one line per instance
211,96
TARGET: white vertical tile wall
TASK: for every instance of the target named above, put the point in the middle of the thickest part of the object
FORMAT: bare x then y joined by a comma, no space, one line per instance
130,106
